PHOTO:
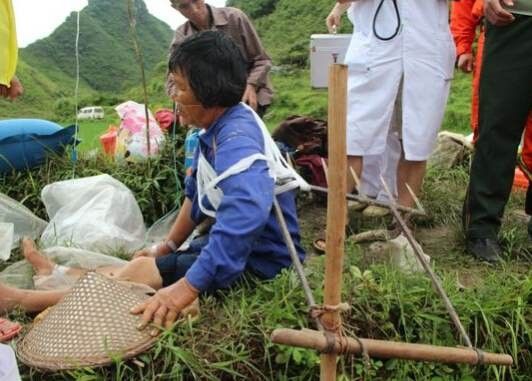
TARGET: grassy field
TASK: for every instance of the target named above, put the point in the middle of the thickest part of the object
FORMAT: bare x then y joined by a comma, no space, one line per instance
91,130
231,338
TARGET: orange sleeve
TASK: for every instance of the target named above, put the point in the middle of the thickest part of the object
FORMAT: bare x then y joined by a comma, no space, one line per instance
478,9
463,25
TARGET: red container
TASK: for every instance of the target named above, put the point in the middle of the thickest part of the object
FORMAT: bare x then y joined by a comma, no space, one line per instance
108,141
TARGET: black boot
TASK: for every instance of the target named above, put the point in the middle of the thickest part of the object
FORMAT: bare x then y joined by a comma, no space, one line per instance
485,249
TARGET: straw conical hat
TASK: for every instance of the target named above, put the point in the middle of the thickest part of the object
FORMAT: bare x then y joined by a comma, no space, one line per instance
89,327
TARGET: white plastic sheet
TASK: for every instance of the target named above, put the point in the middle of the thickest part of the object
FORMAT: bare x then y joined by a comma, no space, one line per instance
96,213
159,230
6,239
25,223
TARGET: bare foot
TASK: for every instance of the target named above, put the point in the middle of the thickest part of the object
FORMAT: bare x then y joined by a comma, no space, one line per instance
41,264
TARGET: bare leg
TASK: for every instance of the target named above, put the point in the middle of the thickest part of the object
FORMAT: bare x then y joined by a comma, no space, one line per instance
354,162
411,173
140,270
44,266
28,300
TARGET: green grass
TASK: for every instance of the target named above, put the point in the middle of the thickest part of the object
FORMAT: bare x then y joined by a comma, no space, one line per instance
231,338
91,130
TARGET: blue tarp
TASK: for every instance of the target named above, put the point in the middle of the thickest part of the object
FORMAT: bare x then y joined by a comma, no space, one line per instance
25,143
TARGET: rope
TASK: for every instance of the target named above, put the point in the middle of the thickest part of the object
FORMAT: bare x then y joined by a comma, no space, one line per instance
480,356
337,332
74,156
140,60
317,312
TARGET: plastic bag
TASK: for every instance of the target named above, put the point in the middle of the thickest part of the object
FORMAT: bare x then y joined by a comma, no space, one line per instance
404,257
96,213
25,223
159,230
6,240
8,364
131,142
20,274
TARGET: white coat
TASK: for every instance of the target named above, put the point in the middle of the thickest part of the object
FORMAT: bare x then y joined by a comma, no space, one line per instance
422,54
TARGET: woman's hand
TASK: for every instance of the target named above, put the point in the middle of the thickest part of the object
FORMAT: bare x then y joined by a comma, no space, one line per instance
465,62
165,306
13,91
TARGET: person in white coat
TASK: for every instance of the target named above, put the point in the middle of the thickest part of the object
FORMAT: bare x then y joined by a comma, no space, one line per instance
398,46
384,164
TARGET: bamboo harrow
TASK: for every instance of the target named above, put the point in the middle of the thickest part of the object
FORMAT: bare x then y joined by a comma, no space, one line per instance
330,340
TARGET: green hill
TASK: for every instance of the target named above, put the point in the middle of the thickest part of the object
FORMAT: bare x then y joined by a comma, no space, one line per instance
108,65
285,26
107,57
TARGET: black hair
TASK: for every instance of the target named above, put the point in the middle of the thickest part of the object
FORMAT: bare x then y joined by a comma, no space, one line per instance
214,67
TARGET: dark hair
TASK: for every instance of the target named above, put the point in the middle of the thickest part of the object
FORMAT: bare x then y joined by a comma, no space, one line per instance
214,67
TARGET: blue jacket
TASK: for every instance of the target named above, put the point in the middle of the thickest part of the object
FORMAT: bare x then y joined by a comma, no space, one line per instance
246,234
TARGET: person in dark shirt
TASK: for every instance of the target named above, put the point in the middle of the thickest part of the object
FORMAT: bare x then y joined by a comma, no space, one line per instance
235,24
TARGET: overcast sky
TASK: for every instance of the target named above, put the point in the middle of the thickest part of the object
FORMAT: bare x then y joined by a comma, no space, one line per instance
38,18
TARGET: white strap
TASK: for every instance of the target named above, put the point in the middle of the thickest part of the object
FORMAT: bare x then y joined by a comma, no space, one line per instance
284,176
214,194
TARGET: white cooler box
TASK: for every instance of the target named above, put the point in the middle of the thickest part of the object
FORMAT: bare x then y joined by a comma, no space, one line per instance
323,48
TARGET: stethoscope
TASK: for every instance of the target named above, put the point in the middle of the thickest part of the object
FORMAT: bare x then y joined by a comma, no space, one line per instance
398,17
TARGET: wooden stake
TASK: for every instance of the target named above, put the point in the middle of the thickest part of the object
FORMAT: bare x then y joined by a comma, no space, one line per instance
312,339
336,208
293,255
325,170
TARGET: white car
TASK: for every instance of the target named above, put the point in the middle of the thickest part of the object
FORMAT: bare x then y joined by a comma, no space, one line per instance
91,113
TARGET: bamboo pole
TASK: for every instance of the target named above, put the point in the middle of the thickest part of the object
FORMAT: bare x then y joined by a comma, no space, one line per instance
336,208
433,277
295,259
312,339
371,201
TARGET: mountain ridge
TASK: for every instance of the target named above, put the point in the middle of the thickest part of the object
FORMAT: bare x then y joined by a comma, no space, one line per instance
108,64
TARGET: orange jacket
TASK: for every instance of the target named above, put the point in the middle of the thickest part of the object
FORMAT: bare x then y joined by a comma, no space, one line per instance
466,16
